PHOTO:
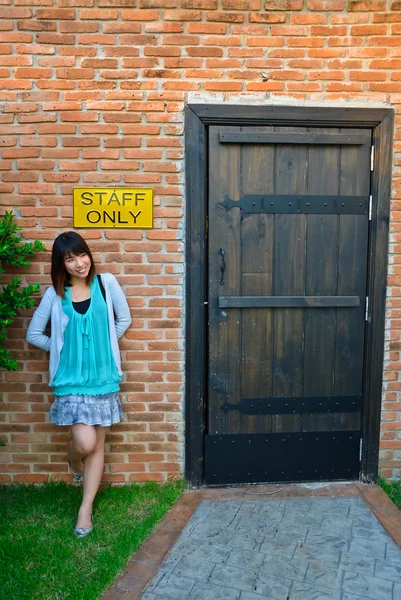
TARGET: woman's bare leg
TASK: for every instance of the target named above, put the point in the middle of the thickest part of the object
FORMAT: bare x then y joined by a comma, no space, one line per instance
82,442
93,470
74,457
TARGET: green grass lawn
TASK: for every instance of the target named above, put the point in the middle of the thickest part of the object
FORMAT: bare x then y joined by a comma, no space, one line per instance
40,557
392,487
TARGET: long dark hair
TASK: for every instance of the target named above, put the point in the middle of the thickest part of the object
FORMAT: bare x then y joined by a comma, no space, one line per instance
67,244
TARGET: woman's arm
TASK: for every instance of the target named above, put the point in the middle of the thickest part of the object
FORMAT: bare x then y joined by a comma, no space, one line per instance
35,334
121,309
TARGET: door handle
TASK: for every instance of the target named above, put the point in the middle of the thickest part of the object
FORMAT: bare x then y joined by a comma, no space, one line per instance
222,266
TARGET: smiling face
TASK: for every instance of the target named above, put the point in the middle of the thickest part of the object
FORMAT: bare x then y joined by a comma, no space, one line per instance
77,266
72,262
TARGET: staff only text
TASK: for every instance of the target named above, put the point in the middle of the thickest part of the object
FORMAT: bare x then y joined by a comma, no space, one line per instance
113,208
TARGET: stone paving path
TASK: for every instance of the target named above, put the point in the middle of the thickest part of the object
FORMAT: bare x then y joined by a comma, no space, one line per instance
280,549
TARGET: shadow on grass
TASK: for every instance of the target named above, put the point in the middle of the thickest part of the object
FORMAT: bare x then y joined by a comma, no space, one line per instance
40,557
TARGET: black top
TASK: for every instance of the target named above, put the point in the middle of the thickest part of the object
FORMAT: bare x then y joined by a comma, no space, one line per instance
83,306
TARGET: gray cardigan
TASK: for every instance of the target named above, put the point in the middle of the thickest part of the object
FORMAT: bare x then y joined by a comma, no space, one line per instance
50,308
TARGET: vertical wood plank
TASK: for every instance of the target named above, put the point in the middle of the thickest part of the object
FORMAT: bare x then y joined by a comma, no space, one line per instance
257,174
224,326
289,280
352,280
321,279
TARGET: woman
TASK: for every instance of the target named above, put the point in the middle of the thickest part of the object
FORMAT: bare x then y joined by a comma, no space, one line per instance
88,314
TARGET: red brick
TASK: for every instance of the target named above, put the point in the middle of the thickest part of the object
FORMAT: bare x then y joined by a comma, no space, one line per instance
269,18
139,15
207,28
98,15
284,5
308,19
35,49
32,73
366,5
16,13
350,19
225,17
326,52
369,30
199,4
76,27
367,76
387,17
385,41
328,31
182,15
158,3
140,477
289,30
246,5
56,39
306,42
303,87
33,25
326,5
52,14
341,87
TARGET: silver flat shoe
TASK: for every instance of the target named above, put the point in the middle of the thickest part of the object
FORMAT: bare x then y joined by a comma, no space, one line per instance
78,477
82,532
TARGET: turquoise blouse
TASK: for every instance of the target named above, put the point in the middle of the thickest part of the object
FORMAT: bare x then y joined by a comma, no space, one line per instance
87,366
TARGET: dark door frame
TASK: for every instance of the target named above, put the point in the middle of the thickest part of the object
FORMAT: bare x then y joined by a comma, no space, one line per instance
198,117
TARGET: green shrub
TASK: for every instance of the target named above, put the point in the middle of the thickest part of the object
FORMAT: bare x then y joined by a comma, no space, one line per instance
13,297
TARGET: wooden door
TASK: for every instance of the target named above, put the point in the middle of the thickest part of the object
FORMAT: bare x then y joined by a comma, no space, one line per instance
287,268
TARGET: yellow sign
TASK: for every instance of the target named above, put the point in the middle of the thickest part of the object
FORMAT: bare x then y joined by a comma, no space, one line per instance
113,207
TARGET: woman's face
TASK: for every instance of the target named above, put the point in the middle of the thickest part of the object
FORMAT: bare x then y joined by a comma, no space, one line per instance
77,266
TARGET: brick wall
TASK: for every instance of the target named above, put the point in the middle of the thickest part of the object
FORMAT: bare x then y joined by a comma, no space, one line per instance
92,93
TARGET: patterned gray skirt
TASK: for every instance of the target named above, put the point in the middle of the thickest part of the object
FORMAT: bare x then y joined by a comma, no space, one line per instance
104,410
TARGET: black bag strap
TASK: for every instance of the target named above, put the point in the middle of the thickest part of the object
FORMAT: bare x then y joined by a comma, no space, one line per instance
101,287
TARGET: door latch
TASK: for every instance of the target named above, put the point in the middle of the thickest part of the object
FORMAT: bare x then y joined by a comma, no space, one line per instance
222,266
